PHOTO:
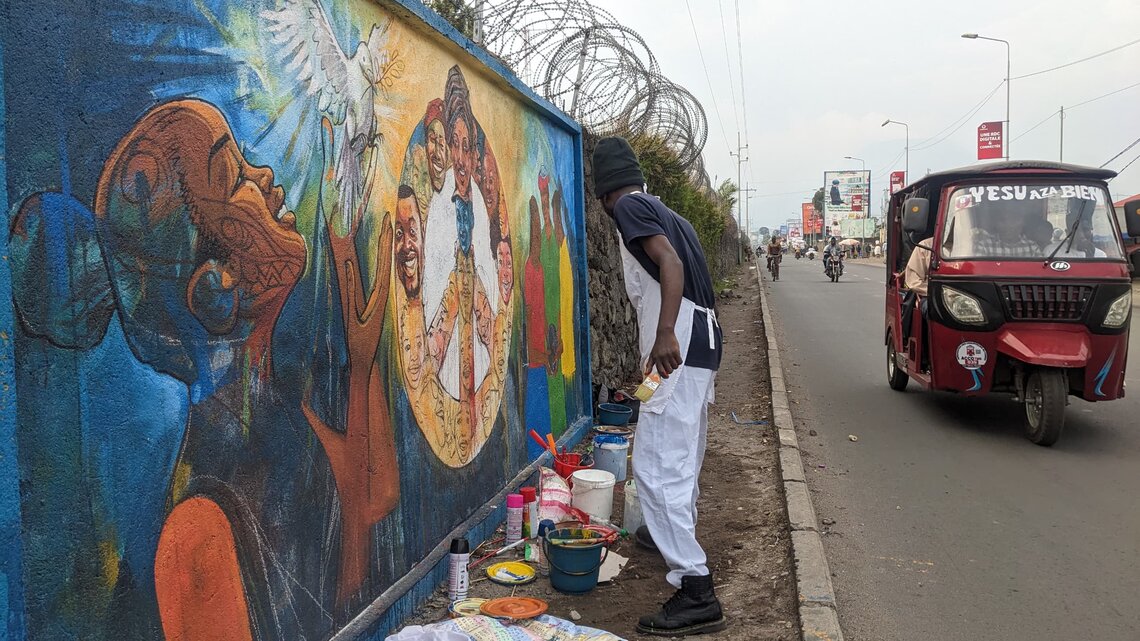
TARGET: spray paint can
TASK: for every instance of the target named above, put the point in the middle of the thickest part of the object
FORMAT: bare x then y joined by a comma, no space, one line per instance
514,518
457,578
530,512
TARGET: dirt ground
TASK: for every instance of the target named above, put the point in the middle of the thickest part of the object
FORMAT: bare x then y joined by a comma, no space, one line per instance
743,523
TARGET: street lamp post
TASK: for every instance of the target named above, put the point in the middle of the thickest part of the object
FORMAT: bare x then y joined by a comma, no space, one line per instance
907,166
974,36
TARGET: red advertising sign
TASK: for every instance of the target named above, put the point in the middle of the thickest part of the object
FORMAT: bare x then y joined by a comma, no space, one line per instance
990,140
856,202
812,222
898,181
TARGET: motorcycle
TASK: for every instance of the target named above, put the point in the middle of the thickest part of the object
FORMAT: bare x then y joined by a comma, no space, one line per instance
810,254
834,267
799,254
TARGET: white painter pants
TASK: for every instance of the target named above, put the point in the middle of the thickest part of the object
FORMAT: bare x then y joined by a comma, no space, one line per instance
668,450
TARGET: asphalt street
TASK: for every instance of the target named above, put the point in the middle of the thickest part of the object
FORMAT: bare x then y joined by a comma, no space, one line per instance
942,521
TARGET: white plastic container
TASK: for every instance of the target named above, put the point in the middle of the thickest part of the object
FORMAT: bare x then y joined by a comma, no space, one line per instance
593,493
611,454
632,516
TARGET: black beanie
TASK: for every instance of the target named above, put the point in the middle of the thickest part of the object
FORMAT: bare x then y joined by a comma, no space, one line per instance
615,166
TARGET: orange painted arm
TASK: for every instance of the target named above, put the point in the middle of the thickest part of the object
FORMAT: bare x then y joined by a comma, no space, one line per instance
197,577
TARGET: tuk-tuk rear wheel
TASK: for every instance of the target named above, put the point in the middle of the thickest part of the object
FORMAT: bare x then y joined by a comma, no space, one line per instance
1045,396
896,376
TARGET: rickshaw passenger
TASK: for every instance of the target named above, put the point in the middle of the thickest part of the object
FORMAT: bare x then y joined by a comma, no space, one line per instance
916,277
1008,238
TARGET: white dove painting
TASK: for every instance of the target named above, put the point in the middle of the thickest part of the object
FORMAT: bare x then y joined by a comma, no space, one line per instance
346,89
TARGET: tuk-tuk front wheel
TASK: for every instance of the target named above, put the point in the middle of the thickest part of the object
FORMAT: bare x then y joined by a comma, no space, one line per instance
896,376
1045,396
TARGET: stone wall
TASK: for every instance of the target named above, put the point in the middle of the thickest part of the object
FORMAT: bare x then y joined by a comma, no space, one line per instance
613,324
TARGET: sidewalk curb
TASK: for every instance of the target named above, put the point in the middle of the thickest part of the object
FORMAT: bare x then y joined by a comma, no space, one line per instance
818,619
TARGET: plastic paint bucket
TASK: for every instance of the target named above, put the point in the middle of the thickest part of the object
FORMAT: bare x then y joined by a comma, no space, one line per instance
610,454
566,464
575,556
593,493
632,519
613,414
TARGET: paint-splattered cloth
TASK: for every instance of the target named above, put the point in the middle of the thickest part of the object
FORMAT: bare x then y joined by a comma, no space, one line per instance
480,628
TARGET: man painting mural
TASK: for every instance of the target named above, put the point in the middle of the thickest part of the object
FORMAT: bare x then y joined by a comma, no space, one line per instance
667,281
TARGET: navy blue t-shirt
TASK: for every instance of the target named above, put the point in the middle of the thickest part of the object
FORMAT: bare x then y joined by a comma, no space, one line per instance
640,216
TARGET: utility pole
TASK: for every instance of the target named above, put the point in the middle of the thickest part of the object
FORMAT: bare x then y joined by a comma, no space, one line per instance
748,212
1062,157
477,30
740,160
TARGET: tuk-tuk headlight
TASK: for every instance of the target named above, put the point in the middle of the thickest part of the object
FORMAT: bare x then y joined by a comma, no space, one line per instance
962,306
1118,311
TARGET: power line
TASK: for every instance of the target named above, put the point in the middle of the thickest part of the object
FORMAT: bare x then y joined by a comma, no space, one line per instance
964,117
1122,152
1111,93
708,77
1047,119
1128,165
1077,62
964,120
740,67
1079,104
728,61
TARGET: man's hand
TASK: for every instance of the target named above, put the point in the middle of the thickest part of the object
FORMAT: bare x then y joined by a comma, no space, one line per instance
665,356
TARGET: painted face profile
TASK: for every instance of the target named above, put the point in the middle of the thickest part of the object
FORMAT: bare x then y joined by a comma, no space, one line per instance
506,266
490,184
409,241
462,157
184,155
436,145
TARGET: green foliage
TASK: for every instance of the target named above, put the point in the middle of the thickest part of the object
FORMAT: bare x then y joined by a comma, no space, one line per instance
708,212
817,201
461,16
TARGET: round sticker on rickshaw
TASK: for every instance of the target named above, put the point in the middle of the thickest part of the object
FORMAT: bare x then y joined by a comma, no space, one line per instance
971,355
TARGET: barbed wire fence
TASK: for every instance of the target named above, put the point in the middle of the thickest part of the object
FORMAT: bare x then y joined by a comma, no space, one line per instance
598,71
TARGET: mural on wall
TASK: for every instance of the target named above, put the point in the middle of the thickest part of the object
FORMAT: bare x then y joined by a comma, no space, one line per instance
292,280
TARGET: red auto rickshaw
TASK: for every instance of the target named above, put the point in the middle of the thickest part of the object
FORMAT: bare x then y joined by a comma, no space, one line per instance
1029,291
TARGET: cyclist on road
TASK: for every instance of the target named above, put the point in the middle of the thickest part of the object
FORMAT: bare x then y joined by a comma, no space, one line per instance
775,249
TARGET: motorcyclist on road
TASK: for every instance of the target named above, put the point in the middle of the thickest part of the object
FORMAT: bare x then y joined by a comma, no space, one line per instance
832,248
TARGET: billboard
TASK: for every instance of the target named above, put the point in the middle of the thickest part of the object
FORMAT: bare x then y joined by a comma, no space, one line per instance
898,181
846,195
990,135
858,228
783,231
809,221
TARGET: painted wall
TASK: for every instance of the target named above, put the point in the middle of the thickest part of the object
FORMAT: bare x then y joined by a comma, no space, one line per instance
284,281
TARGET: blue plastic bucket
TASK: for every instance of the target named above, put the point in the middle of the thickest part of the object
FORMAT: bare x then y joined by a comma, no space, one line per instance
610,454
575,556
613,414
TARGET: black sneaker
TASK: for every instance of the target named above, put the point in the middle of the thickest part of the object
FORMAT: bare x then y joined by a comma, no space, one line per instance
694,609
642,537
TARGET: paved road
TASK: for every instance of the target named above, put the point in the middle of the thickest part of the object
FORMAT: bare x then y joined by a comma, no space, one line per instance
949,524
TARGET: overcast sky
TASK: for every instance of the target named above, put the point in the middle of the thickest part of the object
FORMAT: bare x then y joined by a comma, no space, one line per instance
820,77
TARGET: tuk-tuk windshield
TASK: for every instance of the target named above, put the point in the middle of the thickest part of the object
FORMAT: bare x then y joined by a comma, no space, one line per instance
1029,222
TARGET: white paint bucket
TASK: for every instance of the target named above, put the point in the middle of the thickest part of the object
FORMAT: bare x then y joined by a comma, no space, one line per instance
593,492
631,518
